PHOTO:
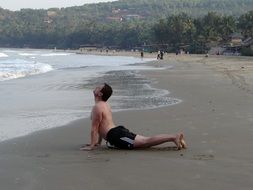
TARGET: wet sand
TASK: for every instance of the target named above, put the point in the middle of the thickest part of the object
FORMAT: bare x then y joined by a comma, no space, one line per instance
215,116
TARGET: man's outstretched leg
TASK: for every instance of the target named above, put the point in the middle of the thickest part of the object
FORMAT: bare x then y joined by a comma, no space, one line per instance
146,142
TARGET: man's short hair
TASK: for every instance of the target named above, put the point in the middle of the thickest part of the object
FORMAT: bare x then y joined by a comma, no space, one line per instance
106,91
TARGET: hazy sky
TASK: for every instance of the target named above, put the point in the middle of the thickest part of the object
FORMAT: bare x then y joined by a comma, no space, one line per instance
38,4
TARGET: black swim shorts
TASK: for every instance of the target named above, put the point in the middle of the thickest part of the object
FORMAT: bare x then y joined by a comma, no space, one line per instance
121,137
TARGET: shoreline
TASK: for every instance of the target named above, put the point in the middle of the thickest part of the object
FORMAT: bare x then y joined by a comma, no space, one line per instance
126,105
215,112
31,116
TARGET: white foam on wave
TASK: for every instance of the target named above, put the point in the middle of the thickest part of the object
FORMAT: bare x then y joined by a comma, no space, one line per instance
27,54
10,51
55,54
3,55
17,68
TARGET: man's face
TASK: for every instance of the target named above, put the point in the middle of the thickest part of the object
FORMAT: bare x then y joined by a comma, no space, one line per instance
97,91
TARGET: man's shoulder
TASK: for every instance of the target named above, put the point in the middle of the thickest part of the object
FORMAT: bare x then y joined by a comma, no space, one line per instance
100,105
100,108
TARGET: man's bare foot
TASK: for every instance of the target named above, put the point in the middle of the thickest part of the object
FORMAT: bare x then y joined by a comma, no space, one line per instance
178,140
182,142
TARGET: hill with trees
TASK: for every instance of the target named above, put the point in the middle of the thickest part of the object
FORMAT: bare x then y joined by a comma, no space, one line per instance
127,23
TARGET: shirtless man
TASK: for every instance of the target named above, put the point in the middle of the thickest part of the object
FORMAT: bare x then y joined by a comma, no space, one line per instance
120,137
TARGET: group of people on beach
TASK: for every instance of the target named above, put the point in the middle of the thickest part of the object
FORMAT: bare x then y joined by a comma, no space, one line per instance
103,127
160,54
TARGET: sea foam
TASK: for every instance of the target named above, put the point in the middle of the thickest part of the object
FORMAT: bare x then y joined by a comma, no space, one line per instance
3,55
55,54
17,68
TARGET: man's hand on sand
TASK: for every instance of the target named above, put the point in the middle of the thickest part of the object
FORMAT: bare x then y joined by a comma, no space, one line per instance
87,147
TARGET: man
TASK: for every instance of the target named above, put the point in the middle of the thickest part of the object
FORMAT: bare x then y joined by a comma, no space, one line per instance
120,137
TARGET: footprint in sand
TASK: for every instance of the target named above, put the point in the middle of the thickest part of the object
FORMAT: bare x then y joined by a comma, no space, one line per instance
203,157
46,155
97,159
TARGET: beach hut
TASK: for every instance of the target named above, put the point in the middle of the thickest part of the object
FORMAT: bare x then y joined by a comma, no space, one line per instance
235,39
88,47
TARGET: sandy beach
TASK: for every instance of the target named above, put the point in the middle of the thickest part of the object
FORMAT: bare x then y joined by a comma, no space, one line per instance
215,115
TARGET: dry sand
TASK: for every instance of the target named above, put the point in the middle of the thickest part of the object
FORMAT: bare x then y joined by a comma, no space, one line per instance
215,116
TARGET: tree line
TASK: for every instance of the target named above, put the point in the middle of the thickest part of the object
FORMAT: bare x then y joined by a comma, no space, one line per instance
174,30
201,33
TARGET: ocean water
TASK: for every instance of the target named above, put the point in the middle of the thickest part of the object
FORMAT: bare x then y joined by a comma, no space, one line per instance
42,89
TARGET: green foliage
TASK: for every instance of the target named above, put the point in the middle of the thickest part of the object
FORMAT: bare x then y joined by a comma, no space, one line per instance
246,24
214,27
247,51
175,30
195,34
194,8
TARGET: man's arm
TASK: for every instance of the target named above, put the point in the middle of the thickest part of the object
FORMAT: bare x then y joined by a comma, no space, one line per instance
96,117
96,120
100,140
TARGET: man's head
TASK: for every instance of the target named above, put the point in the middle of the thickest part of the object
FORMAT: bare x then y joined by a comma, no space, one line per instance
105,91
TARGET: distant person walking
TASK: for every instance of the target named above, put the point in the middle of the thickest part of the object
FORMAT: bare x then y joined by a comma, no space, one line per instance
142,54
161,55
158,54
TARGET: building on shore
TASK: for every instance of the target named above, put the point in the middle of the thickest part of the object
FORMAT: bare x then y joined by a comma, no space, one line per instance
88,47
99,48
235,45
